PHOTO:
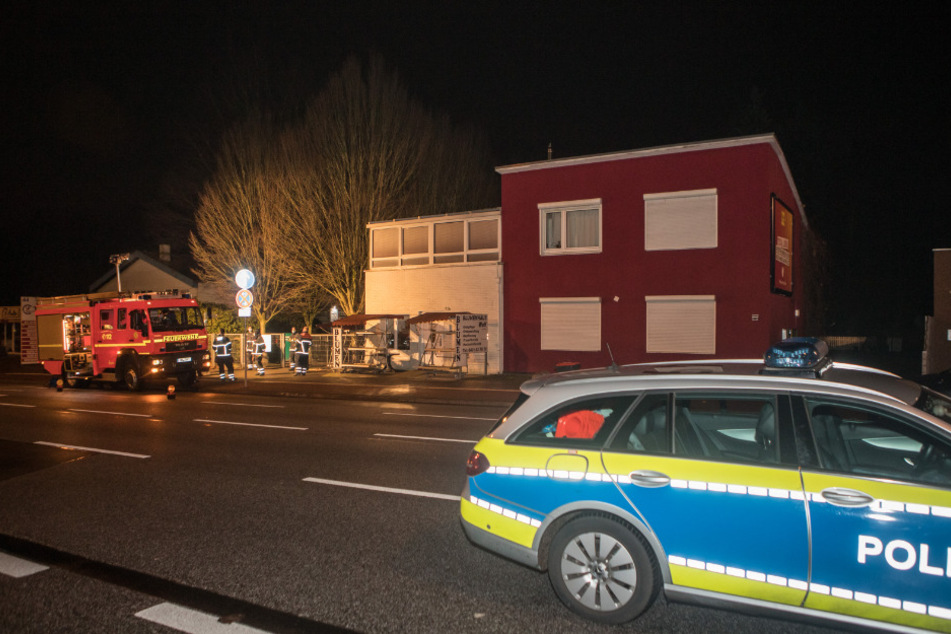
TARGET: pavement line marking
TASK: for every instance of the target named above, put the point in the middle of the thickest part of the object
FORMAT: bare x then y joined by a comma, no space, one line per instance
185,619
92,449
15,567
370,487
468,442
435,416
15,404
228,422
240,404
98,411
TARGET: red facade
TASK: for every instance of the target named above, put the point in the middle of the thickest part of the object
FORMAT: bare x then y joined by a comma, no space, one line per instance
746,173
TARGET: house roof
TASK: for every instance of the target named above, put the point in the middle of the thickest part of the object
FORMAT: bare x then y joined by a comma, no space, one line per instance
139,255
456,215
699,146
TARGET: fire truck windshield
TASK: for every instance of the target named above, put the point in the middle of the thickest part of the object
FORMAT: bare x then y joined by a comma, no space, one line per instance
174,318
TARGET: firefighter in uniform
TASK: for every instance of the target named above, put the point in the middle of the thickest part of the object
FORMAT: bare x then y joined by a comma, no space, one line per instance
257,352
303,351
223,356
292,348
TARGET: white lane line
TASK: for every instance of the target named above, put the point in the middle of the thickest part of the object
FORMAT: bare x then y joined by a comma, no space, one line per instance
468,442
185,619
435,416
240,404
92,449
15,405
228,422
15,567
370,487
98,411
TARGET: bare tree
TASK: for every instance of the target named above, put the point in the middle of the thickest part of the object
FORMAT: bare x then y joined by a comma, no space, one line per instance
366,151
241,222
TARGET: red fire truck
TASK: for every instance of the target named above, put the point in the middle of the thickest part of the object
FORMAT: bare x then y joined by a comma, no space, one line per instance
122,337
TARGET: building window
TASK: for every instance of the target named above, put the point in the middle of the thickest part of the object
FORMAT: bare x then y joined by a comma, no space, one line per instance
680,220
570,227
682,324
386,247
439,241
449,242
415,246
483,240
571,323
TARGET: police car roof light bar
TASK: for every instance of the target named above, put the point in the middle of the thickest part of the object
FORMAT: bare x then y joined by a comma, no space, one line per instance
798,356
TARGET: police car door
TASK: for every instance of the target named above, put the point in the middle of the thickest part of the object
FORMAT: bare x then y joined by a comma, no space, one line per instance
713,475
880,509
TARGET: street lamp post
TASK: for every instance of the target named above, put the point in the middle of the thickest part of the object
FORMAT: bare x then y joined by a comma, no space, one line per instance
117,259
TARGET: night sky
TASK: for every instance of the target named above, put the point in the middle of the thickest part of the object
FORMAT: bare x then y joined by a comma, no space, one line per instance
109,112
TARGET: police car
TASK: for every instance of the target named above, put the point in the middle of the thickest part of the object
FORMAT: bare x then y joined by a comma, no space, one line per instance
798,485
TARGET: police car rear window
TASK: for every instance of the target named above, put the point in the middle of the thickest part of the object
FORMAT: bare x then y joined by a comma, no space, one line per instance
585,423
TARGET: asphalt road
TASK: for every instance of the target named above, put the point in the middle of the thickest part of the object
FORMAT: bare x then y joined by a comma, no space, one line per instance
238,512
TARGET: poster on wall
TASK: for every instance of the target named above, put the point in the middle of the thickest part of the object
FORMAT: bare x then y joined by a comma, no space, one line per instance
471,334
781,273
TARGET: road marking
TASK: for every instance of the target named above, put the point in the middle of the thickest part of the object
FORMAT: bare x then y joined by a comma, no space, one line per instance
97,411
228,422
15,404
468,442
185,619
370,487
240,404
92,449
15,567
435,416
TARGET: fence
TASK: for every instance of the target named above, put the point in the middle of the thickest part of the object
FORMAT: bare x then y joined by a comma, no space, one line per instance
320,350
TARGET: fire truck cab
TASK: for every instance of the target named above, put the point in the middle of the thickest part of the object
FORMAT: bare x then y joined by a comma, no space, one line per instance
122,337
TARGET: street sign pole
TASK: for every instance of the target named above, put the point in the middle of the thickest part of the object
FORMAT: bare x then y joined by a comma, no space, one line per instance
245,280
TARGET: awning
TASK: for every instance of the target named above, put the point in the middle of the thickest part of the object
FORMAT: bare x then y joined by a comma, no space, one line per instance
361,320
426,318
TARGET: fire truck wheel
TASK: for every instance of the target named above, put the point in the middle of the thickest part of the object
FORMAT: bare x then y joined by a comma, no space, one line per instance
74,383
188,380
132,379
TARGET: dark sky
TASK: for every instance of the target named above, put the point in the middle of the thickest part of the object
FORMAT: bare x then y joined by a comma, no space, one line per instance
108,110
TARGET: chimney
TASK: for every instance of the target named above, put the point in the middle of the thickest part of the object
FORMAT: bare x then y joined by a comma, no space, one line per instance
165,252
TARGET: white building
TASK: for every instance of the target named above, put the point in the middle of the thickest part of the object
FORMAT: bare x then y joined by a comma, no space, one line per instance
440,264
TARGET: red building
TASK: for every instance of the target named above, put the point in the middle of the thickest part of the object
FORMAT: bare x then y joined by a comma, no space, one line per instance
686,251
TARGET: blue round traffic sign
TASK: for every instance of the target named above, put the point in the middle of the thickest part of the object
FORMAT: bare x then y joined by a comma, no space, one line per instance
244,279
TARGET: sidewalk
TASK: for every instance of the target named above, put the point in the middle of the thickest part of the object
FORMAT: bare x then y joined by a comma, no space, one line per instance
416,386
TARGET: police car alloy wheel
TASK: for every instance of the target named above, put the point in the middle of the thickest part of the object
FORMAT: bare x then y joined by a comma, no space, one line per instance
601,570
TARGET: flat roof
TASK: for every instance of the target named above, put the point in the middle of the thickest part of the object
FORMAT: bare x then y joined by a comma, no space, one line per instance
678,148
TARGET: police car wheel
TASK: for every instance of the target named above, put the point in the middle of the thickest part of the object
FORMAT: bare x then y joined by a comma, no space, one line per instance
601,570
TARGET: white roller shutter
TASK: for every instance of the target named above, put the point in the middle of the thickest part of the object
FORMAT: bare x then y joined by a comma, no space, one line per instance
680,220
571,323
682,324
